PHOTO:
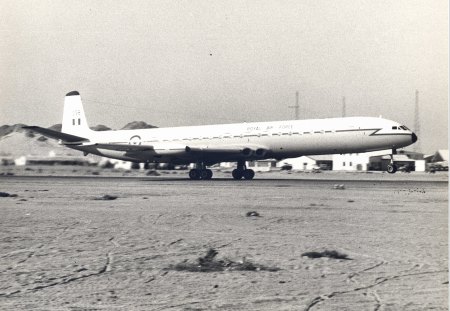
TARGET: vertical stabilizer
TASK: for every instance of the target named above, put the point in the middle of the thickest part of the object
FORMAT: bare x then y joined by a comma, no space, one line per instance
74,121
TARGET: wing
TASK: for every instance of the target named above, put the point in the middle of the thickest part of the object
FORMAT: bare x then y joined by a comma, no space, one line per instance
66,138
121,147
230,150
186,152
157,149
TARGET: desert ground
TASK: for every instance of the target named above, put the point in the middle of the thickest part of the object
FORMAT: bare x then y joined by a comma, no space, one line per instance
64,246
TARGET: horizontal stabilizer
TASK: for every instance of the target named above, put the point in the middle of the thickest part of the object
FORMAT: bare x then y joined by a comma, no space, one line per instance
66,138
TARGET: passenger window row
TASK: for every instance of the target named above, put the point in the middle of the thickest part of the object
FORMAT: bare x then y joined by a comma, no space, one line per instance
241,136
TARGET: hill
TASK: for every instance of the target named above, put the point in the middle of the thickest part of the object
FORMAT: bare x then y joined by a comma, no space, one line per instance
8,129
138,125
16,142
22,143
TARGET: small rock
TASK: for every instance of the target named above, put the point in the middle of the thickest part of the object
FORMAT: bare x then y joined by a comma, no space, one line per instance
341,187
252,214
152,173
106,197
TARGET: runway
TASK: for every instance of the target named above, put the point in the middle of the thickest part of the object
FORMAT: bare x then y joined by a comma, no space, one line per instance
63,248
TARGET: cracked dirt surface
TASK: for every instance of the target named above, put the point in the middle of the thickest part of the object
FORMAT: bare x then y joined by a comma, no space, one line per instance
60,250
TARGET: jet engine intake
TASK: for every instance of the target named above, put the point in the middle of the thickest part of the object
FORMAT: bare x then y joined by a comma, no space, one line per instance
247,152
260,152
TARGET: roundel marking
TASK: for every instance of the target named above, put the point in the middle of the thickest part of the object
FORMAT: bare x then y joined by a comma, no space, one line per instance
135,140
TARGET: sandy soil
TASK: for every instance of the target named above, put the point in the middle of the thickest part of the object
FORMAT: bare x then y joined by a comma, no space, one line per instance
63,250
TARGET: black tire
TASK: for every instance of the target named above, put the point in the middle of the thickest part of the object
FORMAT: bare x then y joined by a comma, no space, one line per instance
194,174
209,174
206,174
237,174
249,174
391,168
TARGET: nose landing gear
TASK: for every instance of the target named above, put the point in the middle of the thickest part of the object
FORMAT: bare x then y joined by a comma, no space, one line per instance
392,168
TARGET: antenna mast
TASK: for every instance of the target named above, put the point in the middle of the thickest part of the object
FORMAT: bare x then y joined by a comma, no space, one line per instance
296,107
416,147
343,107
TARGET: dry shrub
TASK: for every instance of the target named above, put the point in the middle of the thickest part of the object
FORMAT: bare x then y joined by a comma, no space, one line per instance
326,253
106,197
209,263
6,195
152,173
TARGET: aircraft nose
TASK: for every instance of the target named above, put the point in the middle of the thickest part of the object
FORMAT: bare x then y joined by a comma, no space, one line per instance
413,137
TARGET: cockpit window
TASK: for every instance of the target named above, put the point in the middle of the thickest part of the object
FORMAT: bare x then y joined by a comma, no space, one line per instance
404,128
394,127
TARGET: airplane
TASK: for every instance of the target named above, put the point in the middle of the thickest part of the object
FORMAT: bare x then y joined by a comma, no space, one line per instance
207,145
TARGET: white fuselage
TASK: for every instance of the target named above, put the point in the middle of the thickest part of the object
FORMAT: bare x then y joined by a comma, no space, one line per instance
282,139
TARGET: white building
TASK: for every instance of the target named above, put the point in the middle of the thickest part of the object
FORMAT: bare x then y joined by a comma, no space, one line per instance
257,166
303,163
262,165
355,161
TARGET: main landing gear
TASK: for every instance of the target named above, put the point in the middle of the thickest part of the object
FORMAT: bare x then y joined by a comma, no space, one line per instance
200,172
392,168
242,171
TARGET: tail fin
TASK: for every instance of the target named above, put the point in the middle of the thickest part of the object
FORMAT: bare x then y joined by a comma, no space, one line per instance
74,121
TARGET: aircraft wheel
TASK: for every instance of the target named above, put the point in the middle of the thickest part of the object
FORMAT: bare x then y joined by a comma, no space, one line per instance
392,168
237,174
194,174
209,174
206,174
249,174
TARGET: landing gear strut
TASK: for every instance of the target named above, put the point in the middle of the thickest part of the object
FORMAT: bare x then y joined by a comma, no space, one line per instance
242,171
200,172
392,168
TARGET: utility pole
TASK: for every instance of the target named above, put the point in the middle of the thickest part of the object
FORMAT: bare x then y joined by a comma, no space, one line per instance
416,147
343,107
296,107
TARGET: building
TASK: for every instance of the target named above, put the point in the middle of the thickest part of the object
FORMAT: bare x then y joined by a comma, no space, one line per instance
355,161
56,160
303,163
324,162
262,165
438,156
437,161
404,160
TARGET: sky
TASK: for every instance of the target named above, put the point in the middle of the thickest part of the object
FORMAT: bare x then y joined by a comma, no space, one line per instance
175,63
